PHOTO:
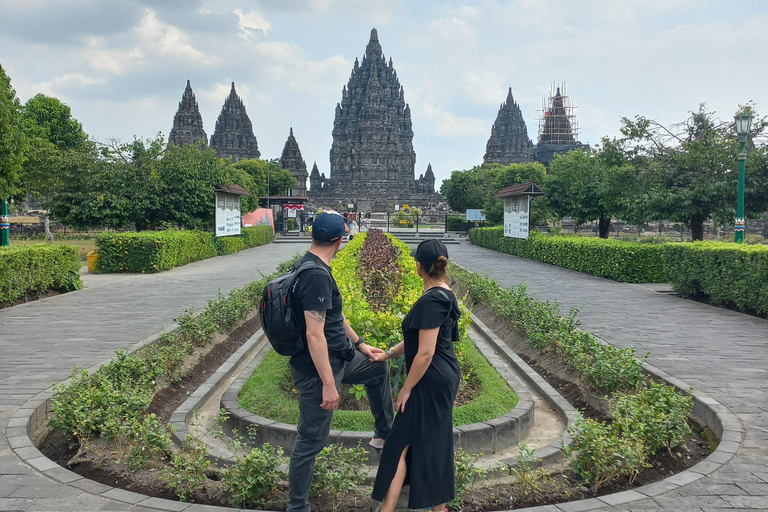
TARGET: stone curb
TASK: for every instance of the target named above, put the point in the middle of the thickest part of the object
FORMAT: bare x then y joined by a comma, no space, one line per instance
485,437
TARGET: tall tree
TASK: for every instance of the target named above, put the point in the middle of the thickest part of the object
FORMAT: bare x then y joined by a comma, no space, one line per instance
589,185
267,172
690,172
13,142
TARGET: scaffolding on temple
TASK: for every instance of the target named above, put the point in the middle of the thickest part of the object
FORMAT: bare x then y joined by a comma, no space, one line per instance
557,124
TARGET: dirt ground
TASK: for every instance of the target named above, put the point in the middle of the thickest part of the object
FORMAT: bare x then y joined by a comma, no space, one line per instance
101,462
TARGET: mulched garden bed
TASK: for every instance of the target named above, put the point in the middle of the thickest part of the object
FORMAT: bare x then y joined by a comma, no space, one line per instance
101,463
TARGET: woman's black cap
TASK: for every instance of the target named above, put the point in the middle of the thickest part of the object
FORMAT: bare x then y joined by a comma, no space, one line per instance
428,251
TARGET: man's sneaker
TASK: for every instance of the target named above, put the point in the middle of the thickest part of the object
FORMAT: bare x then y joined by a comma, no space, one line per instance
377,443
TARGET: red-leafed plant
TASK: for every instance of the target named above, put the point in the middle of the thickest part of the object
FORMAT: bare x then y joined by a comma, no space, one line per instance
379,272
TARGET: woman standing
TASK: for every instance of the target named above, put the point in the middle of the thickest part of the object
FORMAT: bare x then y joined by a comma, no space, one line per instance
419,450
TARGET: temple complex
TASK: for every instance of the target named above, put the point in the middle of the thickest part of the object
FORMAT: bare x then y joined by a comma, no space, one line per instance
188,123
509,142
233,136
372,156
292,161
558,130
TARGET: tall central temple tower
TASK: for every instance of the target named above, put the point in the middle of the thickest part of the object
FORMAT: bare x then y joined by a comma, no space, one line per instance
372,156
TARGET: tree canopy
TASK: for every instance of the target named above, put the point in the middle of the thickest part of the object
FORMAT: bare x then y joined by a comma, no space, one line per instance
13,142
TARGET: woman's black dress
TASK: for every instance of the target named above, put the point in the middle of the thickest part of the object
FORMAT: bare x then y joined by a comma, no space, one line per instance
427,422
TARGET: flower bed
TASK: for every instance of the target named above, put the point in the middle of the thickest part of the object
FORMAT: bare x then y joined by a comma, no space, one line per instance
35,269
628,262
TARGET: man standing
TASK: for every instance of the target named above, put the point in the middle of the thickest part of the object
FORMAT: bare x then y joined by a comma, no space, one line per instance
335,354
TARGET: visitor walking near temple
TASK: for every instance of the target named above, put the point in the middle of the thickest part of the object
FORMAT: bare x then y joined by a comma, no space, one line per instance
335,354
419,450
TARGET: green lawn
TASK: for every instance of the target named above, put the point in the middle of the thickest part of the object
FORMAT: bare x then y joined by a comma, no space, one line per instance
268,393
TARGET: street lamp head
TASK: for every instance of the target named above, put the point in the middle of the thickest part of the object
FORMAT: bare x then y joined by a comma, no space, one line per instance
743,122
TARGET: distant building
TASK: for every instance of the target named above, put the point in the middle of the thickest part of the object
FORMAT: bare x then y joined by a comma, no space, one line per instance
292,161
233,136
188,123
509,142
558,130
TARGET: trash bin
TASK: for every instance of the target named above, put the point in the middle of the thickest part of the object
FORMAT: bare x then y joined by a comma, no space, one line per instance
92,256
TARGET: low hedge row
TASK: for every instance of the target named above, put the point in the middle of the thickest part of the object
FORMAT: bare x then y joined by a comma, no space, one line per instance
35,269
627,262
155,251
729,274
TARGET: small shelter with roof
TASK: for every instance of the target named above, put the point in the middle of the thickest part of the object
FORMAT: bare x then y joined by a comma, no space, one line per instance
228,209
517,208
287,207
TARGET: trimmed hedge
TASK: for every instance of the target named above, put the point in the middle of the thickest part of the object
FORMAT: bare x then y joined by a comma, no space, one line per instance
155,251
35,269
152,251
728,273
627,262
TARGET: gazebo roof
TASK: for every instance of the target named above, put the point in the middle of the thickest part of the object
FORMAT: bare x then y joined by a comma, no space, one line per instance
523,189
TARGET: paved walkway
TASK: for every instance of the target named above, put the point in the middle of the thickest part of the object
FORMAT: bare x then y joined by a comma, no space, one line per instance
722,353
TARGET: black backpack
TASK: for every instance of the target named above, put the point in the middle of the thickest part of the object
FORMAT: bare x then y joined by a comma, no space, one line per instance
282,325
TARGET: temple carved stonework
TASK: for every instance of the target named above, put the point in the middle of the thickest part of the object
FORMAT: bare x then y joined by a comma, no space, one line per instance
558,129
292,161
188,123
233,136
372,156
509,142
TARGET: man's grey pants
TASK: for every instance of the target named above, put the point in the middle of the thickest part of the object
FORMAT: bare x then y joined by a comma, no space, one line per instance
315,422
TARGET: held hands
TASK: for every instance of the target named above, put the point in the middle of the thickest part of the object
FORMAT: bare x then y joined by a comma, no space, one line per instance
402,398
372,353
330,397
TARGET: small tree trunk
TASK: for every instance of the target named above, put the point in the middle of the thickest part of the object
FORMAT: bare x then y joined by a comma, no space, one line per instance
48,234
604,226
697,230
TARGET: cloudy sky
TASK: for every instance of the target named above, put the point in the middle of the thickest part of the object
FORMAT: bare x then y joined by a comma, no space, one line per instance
122,65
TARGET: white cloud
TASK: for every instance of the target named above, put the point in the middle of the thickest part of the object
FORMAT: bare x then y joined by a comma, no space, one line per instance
167,40
115,61
252,22
445,124
287,63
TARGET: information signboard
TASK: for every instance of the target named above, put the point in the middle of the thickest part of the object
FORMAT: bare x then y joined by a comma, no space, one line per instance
517,216
227,214
475,215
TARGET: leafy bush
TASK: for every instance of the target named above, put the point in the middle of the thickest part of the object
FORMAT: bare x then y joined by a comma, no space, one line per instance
456,223
338,471
466,474
528,474
378,270
256,236
656,414
628,262
152,251
602,366
229,244
35,269
601,452
149,440
254,476
727,273
186,472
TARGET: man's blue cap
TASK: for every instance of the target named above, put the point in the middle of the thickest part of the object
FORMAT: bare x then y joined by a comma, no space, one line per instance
328,226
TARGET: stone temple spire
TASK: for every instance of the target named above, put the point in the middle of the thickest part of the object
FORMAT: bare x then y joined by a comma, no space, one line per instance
372,147
292,161
557,127
509,142
233,136
315,181
188,123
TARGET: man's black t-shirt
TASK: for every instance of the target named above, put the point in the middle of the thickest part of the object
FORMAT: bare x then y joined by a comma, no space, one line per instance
316,290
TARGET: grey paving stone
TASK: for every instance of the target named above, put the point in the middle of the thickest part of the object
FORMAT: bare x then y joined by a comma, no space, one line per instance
164,504
581,505
43,463
621,498
62,475
123,495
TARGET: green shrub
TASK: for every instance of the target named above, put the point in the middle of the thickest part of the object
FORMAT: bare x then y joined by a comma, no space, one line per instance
254,476
601,452
602,366
628,262
727,273
229,244
466,473
338,471
152,251
256,236
186,471
456,223
35,269
656,414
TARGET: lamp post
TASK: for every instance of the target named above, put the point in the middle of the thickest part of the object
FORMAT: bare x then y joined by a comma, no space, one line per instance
743,122
5,225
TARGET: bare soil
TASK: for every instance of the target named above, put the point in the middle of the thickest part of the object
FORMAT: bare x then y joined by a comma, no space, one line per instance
101,461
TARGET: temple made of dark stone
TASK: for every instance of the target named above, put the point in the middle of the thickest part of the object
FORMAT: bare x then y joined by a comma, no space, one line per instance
372,157
233,136
509,142
292,161
188,123
558,131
